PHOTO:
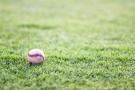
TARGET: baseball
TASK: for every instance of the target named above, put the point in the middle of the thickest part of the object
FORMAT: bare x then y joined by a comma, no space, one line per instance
36,56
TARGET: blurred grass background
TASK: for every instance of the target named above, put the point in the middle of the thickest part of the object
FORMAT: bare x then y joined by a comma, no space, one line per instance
89,44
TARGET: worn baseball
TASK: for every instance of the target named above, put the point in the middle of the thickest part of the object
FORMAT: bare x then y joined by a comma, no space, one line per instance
36,56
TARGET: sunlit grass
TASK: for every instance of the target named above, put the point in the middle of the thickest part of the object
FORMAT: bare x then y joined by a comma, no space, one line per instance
89,44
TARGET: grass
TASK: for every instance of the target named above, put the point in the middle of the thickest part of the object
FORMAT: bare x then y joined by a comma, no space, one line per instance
89,44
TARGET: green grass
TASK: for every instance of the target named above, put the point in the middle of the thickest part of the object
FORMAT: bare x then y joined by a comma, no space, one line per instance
89,44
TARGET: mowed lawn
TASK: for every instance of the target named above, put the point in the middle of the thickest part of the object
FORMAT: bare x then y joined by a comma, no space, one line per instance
89,44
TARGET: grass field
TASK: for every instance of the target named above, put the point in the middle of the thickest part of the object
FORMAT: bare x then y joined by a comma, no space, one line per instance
89,44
